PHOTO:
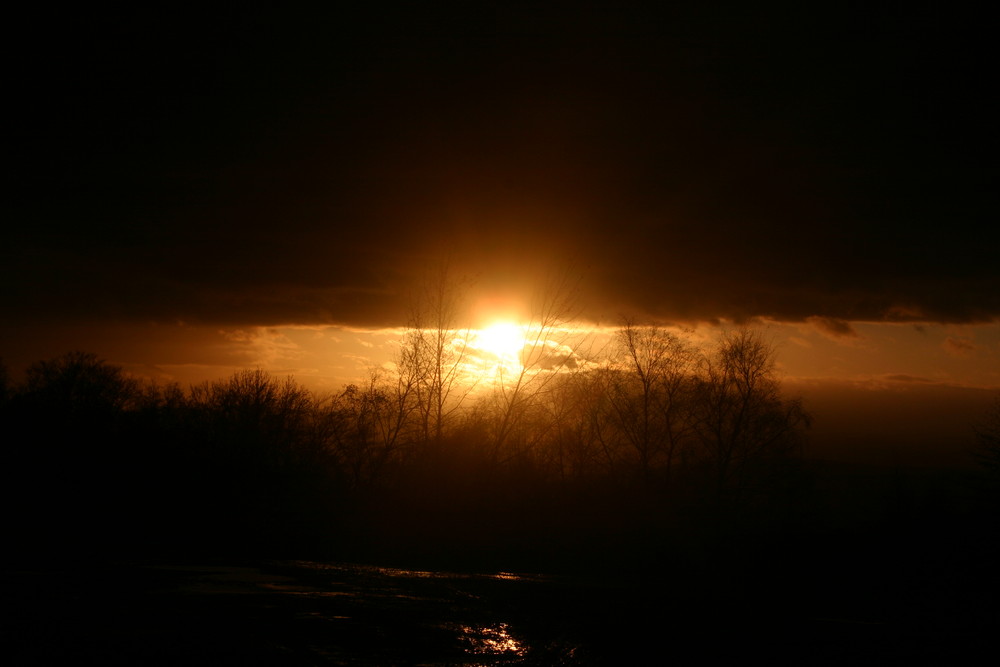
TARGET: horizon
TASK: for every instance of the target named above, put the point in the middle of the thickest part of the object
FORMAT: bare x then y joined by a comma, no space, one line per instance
903,415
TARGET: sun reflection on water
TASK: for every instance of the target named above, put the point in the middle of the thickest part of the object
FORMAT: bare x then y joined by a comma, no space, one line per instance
491,640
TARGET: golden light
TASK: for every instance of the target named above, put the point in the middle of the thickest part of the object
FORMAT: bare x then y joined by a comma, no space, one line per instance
505,340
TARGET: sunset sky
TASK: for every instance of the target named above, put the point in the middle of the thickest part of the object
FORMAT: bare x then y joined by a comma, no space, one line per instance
197,193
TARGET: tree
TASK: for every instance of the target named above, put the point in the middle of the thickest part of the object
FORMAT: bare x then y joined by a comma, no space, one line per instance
4,384
79,386
75,462
549,349
649,392
743,423
367,429
256,418
988,439
987,455
430,359
575,444
74,405
250,459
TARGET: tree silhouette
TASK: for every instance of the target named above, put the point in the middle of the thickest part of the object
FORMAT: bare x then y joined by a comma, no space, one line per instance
256,417
649,391
74,460
366,427
431,355
79,386
988,439
987,456
548,351
4,384
743,423
577,434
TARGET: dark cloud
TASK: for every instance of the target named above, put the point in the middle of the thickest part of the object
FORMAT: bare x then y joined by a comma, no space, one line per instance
833,328
264,169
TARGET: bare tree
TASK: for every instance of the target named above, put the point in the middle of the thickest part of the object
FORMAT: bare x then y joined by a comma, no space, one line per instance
366,427
432,354
988,433
987,454
256,416
576,446
551,347
649,393
743,422
4,384
79,384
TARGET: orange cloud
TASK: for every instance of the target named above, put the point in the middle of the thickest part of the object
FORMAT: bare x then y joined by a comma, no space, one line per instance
959,347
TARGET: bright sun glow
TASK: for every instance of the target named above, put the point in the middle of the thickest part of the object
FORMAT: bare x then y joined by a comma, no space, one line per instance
503,339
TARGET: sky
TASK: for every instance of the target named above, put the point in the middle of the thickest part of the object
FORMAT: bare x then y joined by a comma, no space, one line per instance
194,193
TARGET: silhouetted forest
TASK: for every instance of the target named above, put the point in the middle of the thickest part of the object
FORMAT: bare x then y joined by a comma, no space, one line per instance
684,475
669,462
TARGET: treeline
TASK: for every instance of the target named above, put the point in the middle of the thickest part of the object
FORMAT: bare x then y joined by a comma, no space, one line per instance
544,462
680,467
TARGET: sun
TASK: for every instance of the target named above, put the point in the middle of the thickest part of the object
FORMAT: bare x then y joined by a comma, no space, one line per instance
503,339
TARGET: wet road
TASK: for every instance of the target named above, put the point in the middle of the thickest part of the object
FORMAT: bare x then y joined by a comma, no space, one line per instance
284,613
305,613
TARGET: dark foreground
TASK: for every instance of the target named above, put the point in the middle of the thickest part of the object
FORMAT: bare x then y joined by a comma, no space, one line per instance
304,613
